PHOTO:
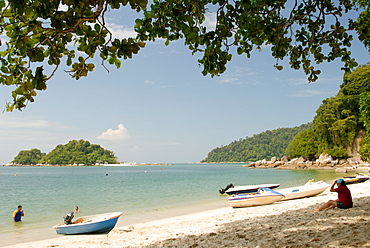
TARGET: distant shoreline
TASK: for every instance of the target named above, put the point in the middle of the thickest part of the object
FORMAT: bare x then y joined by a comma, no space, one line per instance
82,165
251,165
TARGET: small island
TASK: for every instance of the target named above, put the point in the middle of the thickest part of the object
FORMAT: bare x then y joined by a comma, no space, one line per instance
74,153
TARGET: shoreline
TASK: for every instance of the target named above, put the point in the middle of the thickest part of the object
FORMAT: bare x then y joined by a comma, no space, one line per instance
79,165
283,224
290,165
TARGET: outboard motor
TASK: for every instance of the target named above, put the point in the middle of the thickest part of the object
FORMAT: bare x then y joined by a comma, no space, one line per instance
68,218
222,191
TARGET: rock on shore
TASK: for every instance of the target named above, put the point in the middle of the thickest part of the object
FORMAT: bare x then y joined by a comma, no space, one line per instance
323,162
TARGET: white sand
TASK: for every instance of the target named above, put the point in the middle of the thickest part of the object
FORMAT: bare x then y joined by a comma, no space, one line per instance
284,224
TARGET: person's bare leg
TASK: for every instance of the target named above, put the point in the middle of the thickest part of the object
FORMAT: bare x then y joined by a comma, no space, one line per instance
328,205
331,206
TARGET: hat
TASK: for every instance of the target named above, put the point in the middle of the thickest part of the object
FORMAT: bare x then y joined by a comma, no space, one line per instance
340,180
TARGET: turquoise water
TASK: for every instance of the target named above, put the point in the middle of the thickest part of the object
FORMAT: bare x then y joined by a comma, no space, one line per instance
142,193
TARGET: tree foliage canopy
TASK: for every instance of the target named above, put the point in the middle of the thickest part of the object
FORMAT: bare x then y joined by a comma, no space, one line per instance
74,152
365,118
30,157
40,32
303,144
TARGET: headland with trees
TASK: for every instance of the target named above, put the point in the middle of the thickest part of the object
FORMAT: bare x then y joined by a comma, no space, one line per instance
338,135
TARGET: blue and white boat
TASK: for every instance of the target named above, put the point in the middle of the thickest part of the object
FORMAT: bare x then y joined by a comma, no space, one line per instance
232,190
262,197
101,223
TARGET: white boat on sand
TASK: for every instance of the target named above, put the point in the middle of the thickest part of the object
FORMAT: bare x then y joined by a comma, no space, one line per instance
311,188
262,197
359,178
101,223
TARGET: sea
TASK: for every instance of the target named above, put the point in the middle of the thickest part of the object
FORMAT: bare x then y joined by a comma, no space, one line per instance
141,193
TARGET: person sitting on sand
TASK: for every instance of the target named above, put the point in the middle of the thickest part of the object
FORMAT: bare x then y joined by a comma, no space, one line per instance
17,214
344,197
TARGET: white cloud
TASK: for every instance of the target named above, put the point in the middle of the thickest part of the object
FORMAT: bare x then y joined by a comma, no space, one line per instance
168,86
121,32
304,81
138,148
240,71
10,122
120,134
297,81
228,80
239,75
63,7
308,93
210,21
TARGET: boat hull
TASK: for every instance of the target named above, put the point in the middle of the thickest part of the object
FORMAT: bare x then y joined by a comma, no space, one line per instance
249,188
246,201
356,179
264,196
303,191
90,224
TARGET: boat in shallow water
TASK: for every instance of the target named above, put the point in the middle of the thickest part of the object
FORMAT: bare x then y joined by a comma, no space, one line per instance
262,197
101,223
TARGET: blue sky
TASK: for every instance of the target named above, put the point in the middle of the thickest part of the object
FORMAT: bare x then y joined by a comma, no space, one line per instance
158,108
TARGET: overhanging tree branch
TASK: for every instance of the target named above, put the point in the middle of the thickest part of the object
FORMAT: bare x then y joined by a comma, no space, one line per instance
41,31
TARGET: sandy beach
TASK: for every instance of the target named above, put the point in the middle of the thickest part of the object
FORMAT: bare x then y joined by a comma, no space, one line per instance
283,224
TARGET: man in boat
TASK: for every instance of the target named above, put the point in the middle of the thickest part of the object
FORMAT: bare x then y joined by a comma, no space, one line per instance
17,214
344,200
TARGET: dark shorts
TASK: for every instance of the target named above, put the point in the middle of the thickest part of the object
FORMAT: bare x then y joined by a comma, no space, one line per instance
341,205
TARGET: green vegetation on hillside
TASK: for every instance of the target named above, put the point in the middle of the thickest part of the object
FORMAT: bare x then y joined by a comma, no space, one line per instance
33,156
74,152
261,146
341,123
340,127
365,117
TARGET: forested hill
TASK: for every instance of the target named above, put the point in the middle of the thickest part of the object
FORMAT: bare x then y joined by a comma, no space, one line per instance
74,152
261,146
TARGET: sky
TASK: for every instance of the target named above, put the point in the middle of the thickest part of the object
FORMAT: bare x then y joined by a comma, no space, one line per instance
159,108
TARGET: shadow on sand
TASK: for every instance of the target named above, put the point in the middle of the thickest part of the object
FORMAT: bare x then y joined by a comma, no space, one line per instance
293,228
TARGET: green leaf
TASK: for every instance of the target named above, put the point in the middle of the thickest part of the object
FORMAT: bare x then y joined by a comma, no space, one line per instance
97,27
90,67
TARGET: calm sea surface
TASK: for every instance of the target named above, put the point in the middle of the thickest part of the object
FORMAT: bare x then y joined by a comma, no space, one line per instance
142,193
